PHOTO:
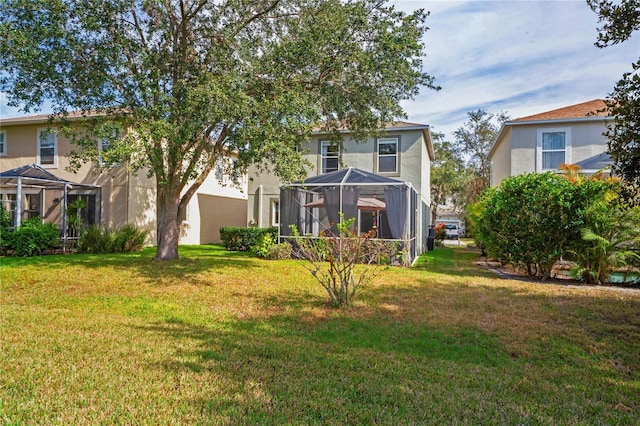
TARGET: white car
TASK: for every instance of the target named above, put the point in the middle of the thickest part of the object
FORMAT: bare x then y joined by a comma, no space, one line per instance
453,232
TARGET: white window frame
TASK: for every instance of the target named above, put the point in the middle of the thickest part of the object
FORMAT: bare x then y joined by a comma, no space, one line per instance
3,143
388,140
55,148
275,212
328,144
567,146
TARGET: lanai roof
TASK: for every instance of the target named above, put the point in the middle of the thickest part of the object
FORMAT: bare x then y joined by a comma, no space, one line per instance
32,174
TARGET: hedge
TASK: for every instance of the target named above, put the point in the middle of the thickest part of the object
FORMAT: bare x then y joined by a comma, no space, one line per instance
242,239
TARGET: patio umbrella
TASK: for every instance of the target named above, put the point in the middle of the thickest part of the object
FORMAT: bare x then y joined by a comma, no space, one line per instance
364,203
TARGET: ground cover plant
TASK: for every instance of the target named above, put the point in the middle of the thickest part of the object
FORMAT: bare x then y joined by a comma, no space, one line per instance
225,338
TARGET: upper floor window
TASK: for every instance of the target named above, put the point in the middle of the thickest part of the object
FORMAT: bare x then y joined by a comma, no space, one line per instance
104,159
388,155
330,154
3,143
553,148
47,148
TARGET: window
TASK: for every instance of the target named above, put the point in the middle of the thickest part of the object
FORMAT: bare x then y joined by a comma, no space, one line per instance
275,212
104,145
47,147
34,206
3,143
330,157
553,149
388,155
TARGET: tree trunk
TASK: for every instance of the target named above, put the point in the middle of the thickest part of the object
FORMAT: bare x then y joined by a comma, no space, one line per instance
168,224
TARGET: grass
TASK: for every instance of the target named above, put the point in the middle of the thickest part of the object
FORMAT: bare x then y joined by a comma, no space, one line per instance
224,338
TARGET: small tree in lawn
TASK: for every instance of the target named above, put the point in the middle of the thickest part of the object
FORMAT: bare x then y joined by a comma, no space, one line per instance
344,263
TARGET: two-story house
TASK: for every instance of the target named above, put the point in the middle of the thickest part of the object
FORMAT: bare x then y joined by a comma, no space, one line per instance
403,151
542,142
113,197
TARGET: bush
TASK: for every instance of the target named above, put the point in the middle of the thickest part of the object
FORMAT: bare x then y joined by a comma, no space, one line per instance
280,251
129,239
95,239
531,220
33,237
332,261
242,239
99,240
263,245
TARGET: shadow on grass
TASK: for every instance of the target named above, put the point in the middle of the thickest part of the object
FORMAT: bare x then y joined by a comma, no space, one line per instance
193,260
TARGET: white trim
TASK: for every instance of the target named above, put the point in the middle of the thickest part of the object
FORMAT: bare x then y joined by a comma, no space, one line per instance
567,146
275,212
388,140
39,133
328,144
3,142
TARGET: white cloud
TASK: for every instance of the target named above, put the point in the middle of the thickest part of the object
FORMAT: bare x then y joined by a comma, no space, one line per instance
523,57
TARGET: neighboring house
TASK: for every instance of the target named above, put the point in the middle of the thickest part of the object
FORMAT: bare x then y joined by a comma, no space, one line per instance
404,152
113,196
542,142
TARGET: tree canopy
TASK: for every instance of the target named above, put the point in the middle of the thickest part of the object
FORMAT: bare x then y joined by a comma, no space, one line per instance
475,139
619,20
177,84
449,175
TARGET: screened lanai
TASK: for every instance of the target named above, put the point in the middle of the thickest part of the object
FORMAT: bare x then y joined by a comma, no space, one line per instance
29,191
387,206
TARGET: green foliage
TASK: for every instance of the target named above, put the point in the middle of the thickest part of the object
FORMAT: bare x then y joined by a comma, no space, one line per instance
608,242
475,138
531,220
264,244
332,261
238,238
279,251
6,236
33,237
449,175
99,240
183,86
619,20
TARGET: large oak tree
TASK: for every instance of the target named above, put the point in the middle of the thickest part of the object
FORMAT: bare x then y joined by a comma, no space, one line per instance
193,80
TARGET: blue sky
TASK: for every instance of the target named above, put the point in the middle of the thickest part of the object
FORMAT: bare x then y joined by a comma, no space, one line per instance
522,57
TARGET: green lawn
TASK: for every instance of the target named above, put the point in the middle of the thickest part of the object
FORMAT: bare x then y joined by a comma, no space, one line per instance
225,338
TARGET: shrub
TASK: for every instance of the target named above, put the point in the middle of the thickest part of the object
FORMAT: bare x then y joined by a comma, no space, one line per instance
332,260
129,239
242,239
280,251
99,240
6,236
532,220
441,232
33,237
263,245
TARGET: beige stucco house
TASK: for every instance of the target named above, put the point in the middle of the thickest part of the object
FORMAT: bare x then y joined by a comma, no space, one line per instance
404,151
114,196
542,142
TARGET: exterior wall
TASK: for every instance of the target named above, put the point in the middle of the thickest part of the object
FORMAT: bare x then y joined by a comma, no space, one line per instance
518,150
501,161
413,167
124,197
215,204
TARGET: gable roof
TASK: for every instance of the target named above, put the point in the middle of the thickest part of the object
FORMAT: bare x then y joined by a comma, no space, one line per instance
593,108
